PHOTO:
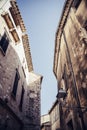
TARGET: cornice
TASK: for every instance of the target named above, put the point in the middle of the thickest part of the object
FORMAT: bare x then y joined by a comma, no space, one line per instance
27,52
17,14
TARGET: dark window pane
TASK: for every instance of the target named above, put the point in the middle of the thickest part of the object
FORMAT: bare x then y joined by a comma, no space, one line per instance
21,100
14,91
4,42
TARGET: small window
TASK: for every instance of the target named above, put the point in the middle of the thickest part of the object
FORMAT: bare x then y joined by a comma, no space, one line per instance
21,100
17,77
76,3
4,42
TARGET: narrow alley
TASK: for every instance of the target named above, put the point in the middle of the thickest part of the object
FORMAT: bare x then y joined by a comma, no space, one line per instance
31,99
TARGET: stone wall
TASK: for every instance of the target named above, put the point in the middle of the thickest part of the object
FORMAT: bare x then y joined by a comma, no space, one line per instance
20,110
9,63
8,118
72,69
54,114
34,110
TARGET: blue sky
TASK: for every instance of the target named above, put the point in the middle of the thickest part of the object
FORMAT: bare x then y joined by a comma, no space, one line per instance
41,18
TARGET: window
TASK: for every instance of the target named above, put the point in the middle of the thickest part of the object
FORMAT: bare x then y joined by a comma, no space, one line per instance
21,100
4,41
17,77
76,3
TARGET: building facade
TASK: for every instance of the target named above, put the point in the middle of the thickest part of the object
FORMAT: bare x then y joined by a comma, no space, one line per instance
17,77
51,121
55,116
70,65
34,111
45,122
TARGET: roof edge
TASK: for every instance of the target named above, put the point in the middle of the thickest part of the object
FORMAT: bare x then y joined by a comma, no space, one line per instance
65,12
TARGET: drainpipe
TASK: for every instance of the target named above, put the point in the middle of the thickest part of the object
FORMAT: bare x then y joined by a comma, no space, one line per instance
74,84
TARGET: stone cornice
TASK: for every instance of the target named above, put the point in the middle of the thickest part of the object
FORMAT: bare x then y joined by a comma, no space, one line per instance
27,52
17,15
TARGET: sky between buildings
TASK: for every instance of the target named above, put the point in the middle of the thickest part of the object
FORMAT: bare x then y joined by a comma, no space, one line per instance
41,18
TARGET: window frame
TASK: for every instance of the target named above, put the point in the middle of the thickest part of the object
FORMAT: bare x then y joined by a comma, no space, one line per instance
4,42
21,99
15,85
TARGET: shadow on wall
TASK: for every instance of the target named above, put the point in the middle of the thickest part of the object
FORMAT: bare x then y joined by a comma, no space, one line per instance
11,78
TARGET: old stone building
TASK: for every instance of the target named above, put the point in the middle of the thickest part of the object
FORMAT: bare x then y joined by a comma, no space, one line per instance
70,65
55,116
34,110
19,85
51,121
45,122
